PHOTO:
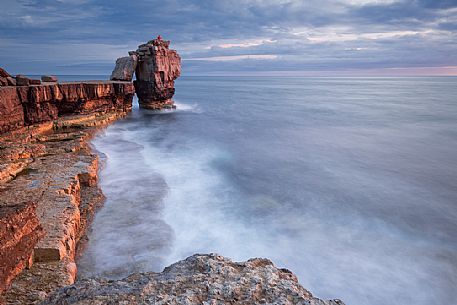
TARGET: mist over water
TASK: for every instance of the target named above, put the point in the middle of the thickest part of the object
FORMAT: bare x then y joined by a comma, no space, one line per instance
351,183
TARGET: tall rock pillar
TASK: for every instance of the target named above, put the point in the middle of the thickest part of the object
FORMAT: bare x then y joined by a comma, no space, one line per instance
157,68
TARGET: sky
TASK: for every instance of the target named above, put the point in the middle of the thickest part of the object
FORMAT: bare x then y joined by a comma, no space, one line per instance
243,37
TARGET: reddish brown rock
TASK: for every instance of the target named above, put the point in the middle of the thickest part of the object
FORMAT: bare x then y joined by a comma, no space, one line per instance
19,233
11,81
52,165
11,111
49,79
26,105
22,80
158,67
3,73
35,82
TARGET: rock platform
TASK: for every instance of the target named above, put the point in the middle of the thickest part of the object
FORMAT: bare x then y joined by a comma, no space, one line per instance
48,180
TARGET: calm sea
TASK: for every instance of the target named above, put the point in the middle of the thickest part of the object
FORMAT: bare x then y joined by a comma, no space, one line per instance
351,183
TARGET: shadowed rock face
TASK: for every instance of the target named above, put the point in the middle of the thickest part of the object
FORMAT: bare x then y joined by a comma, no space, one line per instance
158,67
199,279
125,67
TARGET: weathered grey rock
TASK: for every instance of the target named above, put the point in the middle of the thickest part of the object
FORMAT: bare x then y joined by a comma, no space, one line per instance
125,67
49,78
22,80
199,279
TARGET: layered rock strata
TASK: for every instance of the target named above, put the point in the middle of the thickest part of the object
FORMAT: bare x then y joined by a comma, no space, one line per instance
199,279
157,69
20,231
52,165
26,105
48,179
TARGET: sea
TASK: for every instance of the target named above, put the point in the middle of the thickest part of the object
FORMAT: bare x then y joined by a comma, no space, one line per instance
350,183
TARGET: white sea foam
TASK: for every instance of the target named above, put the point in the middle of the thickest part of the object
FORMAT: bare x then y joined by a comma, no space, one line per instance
352,192
186,107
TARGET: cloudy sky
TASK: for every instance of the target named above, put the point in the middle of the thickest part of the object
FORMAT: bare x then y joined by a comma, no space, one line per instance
278,37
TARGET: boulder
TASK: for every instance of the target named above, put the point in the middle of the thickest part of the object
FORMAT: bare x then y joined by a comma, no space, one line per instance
125,67
49,79
11,81
3,81
199,279
22,80
35,82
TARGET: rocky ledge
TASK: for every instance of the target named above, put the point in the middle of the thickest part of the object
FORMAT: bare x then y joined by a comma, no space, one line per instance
48,178
27,105
199,279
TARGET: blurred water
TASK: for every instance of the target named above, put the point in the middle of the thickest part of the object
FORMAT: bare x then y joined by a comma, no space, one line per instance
349,182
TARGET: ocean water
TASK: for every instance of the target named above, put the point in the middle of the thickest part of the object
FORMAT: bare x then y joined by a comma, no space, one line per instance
351,183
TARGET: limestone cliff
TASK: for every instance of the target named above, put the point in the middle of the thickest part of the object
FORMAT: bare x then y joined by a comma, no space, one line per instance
26,105
51,165
48,177
199,279
157,69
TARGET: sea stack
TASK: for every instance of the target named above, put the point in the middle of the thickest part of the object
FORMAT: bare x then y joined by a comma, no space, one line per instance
157,68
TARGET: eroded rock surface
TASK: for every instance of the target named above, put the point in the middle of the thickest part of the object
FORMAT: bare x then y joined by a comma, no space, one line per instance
20,231
199,279
52,165
158,67
125,67
31,104
48,179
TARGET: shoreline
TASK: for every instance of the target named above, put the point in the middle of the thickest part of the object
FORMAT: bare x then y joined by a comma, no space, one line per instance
51,279
67,164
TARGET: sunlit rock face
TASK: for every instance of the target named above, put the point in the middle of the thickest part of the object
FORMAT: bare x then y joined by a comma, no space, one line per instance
199,279
26,105
157,69
19,232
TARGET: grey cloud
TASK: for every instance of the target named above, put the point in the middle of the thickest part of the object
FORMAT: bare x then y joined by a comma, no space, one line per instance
55,35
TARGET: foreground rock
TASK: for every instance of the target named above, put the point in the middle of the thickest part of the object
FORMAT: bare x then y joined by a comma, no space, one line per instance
199,279
51,165
48,179
158,67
